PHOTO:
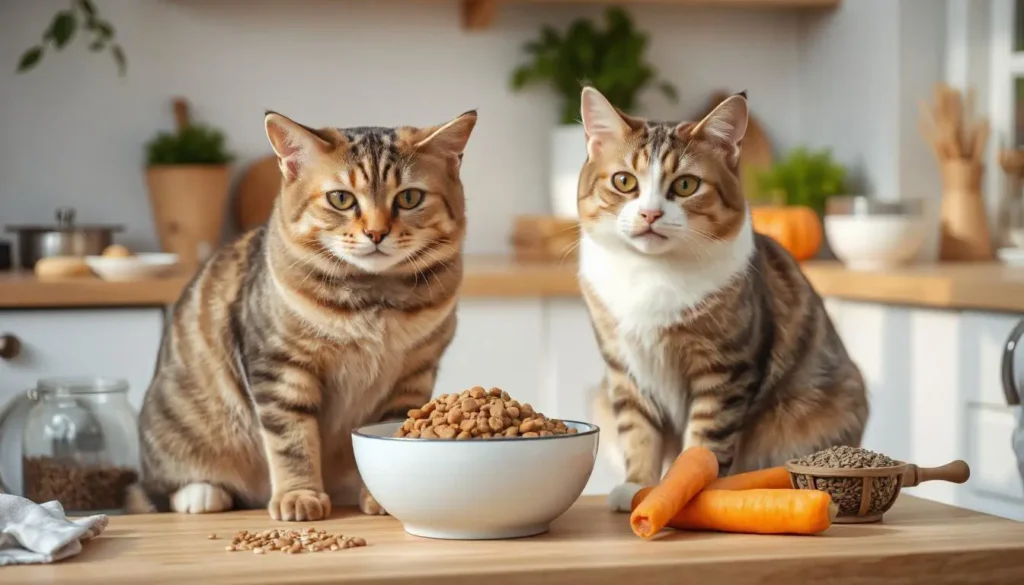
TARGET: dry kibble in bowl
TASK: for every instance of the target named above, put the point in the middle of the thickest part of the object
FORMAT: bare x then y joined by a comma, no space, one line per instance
478,414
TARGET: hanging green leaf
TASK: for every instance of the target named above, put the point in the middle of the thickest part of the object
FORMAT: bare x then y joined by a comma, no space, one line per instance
87,7
29,59
103,29
122,65
62,29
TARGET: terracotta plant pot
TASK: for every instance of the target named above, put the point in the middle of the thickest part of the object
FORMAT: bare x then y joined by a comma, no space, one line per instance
188,203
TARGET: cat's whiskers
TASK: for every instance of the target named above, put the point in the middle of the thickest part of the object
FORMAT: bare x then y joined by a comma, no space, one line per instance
437,260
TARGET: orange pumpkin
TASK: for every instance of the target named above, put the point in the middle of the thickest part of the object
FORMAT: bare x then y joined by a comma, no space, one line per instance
796,228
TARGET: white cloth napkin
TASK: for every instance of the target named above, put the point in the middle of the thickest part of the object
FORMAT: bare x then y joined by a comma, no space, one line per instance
34,533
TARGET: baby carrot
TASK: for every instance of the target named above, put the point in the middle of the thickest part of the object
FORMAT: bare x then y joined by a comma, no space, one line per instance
691,472
758,511
775,478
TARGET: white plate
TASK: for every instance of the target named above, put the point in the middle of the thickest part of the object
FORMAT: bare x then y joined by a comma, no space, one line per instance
138,267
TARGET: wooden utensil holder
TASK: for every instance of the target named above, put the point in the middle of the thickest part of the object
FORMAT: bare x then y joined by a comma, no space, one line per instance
965,230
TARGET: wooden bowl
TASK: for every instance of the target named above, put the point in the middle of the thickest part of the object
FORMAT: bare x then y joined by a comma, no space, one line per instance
865,494
862,494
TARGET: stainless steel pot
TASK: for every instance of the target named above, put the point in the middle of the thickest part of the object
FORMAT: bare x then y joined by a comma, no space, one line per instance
64,239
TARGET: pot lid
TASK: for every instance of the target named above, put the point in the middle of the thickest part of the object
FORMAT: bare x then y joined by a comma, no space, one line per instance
65,223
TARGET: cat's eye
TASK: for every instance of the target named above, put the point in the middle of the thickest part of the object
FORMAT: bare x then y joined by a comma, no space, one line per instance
341,200
409,198
685,186
624,182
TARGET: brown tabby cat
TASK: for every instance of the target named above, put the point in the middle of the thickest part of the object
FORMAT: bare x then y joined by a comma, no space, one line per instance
710,332
333,315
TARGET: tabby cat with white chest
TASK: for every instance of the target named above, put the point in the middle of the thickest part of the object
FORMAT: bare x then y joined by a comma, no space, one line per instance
710,332
332,315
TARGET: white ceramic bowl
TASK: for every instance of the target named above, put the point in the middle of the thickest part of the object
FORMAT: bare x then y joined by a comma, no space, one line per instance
137,267
475,489
875,242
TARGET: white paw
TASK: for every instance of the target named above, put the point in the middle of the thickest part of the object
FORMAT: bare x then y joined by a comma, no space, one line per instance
200,498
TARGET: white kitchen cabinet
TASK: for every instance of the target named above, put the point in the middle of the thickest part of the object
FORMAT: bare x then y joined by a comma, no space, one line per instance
933,377
114,343
497,343
986,418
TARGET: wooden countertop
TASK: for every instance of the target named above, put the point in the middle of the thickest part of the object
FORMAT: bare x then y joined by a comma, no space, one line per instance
982,286
485,276
919,542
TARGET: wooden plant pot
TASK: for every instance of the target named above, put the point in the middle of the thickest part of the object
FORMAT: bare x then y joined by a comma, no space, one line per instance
188,203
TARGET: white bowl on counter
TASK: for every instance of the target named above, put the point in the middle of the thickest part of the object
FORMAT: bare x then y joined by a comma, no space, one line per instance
865,234
476,489
137,267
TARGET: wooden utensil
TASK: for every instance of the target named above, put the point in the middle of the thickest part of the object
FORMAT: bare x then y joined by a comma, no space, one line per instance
879,487
956,472
257,191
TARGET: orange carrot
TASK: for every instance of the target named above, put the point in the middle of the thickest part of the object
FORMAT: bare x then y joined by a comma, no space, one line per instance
691,472
775,478
758,511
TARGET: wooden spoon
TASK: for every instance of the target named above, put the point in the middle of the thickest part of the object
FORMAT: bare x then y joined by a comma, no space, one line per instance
957,472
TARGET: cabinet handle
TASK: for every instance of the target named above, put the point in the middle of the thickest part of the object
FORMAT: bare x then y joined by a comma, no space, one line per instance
10,346
1009,376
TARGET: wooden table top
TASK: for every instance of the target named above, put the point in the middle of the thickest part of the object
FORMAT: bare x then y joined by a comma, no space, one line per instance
988,286
918,542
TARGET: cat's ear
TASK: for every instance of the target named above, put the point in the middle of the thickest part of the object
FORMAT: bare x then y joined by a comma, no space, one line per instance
726,123
449,138
603,123
294,144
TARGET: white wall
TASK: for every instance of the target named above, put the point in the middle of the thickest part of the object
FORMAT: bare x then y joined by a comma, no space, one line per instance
71,132
864,67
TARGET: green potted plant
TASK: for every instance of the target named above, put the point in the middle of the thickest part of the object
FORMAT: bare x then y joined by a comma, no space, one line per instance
612,59
791,196
188,176
81,15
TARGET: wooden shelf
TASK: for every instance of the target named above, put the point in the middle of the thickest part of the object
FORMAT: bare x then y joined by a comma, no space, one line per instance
479,14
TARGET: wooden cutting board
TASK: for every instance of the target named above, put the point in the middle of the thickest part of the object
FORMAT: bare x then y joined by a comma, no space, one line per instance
257,191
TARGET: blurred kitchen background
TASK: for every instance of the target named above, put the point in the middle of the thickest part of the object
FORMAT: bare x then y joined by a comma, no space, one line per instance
882,154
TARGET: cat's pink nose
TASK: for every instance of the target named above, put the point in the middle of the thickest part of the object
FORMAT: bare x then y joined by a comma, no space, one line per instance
651,215
377,236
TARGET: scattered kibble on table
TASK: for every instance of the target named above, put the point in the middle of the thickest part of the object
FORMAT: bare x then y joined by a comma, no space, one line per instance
290,541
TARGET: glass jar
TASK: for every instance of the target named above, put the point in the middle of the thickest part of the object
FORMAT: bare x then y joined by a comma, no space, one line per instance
80,445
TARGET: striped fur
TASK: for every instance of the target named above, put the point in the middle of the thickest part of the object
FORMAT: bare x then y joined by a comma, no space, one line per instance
301,330
711,334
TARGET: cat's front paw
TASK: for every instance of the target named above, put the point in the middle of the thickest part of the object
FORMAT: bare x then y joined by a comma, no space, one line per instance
368,505
299,506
